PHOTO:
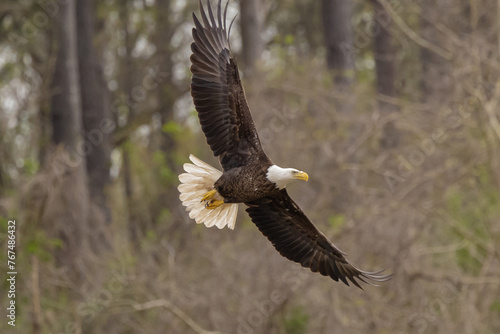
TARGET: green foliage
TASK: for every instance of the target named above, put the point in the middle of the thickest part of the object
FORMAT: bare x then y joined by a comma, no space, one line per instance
289,39
495,306
6,73
42,246
31,166
150,236
172,128
364,68
473,208
167,176
470,259
296,321
336,222
165,215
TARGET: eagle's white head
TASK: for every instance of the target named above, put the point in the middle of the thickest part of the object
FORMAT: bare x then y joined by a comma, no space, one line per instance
282,176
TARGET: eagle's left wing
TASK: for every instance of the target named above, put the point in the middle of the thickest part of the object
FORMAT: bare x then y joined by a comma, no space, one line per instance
295,237
218,94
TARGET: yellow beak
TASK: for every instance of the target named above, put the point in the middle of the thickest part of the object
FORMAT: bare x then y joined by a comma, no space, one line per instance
301,176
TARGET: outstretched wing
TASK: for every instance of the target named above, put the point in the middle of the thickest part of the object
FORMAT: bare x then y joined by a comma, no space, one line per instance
218,94
294,236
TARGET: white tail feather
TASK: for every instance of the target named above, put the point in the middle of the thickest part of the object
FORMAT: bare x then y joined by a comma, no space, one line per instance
197,181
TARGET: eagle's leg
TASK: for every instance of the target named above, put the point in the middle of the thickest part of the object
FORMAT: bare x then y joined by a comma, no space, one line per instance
208,195
213,204
212,199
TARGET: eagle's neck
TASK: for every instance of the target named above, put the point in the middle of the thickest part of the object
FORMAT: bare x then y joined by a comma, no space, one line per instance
279,176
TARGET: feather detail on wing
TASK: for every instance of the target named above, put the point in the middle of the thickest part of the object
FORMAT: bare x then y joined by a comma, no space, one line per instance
218,94
296,238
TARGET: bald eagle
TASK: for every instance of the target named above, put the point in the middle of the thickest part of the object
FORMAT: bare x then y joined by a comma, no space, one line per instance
211,197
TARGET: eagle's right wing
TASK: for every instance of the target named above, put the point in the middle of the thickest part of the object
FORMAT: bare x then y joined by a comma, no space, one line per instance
294,236
218,94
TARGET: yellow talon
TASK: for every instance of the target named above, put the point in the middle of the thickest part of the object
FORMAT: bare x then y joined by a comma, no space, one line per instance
213,204
208,195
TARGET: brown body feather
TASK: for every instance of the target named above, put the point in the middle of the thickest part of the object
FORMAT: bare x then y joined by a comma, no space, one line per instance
225,119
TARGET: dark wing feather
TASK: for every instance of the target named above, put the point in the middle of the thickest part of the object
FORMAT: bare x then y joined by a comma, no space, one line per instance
218,94
294,236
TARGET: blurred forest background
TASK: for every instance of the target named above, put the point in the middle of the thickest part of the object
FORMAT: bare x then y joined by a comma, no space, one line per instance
391,106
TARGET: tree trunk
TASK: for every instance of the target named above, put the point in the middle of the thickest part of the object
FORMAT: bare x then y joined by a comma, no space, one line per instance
434,80
127,71
252,17
69,218
166,88
339,39
168,93
66,111
384,54
97,121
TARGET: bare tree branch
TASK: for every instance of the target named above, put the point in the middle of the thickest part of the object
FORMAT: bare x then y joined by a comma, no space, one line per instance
175,310
412,34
